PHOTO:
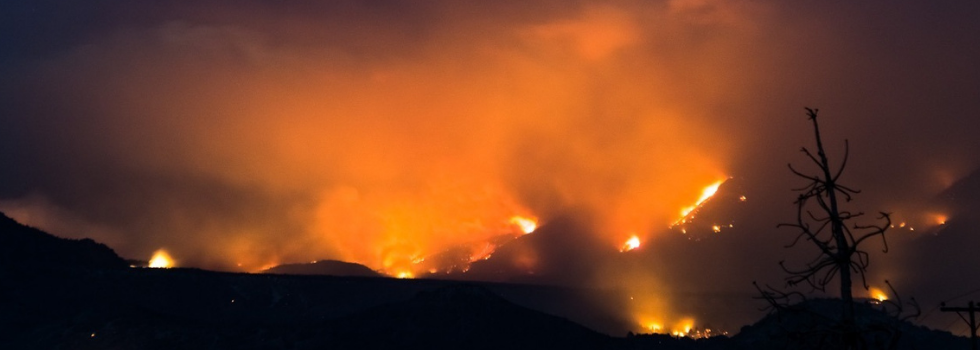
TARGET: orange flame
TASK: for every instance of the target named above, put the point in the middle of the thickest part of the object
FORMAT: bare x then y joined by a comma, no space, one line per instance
706,194
161,259
877,294
526,224
632,243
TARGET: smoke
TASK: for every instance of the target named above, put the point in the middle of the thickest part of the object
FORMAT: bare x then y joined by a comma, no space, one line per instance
242,135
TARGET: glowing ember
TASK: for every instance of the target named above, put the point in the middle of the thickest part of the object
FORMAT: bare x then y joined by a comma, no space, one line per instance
716,228
742,198
526,224
940,219
161,259
632,243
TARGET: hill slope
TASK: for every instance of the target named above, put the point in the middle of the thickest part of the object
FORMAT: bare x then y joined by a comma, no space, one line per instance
24,247
325,268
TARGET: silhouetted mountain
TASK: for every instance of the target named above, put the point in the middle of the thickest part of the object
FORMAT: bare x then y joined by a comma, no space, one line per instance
459,317
324,267
813,325
964,194
934,266
24,247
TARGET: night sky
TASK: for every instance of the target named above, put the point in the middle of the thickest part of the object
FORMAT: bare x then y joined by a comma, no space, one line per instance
242,134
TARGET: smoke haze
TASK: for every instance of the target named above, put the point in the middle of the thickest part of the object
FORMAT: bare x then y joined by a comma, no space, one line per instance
247,134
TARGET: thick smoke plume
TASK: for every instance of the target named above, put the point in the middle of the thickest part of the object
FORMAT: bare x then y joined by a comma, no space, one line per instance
241,135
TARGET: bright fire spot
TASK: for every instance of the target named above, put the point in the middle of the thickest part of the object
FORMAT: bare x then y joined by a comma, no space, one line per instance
687,210
683,328
655,327
878,294
709,191
716,228
161,259
526,224
940,219
405,274
706,194
901,224
742,198
632,243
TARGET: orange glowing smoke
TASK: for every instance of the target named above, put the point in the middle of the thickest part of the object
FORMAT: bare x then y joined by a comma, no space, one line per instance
526,224
385,161
398,232
161,259
632,243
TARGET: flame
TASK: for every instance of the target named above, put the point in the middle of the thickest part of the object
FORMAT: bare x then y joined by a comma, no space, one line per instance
161,259
877,294
940,219
405,274
632,243
709,191
683,328
526,224
706,194
716,228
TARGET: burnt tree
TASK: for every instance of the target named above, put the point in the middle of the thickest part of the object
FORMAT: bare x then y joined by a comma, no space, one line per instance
822,221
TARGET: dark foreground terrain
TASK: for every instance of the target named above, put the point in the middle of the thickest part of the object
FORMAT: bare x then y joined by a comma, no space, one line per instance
66,294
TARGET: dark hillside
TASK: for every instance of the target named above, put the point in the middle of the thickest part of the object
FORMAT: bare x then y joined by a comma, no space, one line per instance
325,268
813,324
458,317
23,247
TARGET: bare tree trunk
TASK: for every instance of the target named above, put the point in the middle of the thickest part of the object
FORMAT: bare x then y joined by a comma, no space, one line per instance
844,251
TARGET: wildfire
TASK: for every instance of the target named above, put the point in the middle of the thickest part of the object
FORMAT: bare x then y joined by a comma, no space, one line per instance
683,328
706,194
161,259
878,294
405,274
632,243
526,224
